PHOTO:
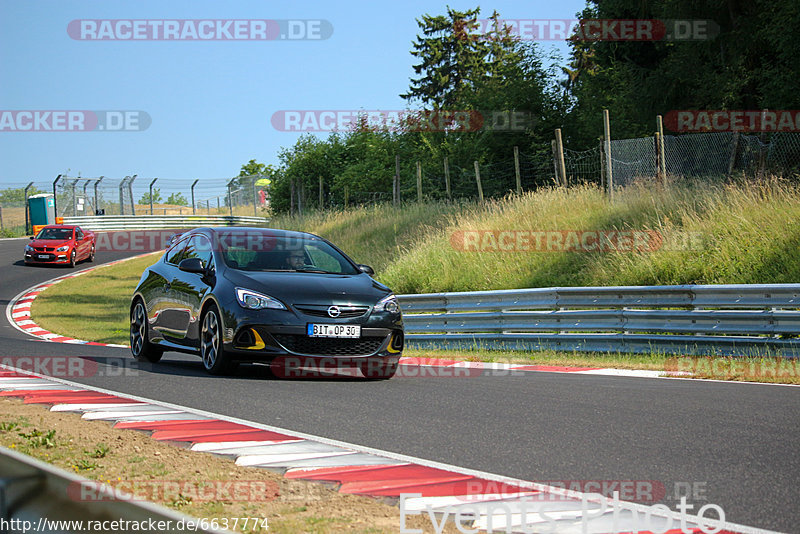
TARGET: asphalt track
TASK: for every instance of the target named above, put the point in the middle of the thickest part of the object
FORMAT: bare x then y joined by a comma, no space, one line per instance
736,444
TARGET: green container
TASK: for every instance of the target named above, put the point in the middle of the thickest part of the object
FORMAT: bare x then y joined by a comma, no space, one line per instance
42,209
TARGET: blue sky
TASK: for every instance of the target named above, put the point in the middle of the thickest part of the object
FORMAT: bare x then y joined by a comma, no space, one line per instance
210,101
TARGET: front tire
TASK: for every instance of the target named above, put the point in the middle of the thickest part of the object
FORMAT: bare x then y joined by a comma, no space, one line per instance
215,361
141,348
72,258
91,255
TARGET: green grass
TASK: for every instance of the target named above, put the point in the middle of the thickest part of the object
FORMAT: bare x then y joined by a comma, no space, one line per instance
94,306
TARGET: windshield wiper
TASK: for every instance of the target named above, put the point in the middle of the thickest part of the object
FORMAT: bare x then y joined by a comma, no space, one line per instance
314,270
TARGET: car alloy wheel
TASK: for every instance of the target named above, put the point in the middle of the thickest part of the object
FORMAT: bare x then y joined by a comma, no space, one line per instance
91,255
141,348
214,358
72,257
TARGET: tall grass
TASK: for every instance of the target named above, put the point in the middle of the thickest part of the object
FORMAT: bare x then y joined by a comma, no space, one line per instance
377,234
740,232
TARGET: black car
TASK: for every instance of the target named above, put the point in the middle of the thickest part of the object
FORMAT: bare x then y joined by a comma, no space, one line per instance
234,295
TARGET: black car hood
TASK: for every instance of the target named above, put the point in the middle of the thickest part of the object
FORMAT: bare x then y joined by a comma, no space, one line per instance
311,288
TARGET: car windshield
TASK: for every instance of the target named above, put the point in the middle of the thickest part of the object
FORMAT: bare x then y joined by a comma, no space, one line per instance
55,233
263,251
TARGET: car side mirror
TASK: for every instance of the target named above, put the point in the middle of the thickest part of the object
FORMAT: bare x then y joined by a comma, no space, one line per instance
32,237
192,265
366,269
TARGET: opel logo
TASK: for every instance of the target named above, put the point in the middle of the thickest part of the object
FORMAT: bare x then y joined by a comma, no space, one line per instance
334,311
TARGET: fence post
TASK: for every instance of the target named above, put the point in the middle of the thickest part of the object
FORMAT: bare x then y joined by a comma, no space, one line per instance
194,210
734,149
291,197
662,161
561,164
556,174
96,201
55,195
130,192
1,219
396,181
478,180
27,210
321,194
74,199
607,144
151,195
121,195
516,170
602,167
230,197
447,178
419,182
657,154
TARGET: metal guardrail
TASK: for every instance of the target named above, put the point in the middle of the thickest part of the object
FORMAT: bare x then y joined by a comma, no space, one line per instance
161,222
34,491
756,320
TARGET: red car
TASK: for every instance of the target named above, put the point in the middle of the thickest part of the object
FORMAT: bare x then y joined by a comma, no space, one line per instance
60,244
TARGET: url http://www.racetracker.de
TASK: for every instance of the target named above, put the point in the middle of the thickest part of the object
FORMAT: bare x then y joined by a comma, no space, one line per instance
241,524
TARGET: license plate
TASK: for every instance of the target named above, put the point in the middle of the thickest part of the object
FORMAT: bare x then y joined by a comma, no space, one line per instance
43,256
334,330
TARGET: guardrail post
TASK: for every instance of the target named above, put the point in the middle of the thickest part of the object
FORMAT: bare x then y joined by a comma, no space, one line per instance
194,211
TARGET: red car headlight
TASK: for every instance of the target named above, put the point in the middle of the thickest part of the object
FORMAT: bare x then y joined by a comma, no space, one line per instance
62,248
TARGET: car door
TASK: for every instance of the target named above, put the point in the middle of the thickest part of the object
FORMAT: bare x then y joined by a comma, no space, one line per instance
189,290
81,250
163,305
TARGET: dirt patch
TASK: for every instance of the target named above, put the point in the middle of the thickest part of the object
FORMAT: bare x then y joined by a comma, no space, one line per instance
190,481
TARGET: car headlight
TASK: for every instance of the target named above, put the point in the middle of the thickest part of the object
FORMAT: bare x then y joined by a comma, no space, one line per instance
28,248
63,248
388,304
257,301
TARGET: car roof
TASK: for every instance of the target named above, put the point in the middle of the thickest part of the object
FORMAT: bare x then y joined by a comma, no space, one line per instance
277,232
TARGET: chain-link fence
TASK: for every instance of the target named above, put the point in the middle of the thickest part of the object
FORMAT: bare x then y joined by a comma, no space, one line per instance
705,154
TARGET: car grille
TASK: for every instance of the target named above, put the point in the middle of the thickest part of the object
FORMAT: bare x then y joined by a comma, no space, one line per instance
316,346
346,312
43,249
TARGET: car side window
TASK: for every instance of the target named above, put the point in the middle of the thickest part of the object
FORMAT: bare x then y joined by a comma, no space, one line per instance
175,254
201,248
78,234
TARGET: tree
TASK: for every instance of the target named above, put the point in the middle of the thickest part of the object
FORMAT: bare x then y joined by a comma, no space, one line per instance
18,194
146,197
177,199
